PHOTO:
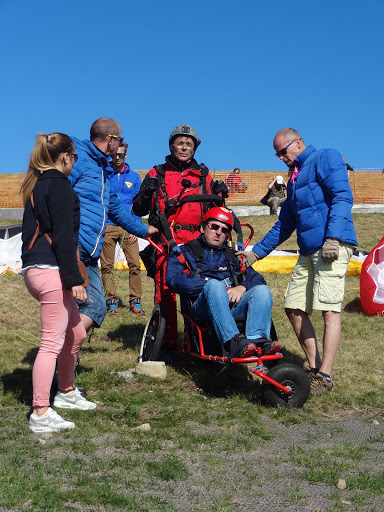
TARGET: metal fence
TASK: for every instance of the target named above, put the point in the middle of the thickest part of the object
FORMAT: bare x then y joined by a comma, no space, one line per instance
367,186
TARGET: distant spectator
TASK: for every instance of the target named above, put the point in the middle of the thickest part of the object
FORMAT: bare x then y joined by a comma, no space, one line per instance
126,184
349,168
235,183
276,194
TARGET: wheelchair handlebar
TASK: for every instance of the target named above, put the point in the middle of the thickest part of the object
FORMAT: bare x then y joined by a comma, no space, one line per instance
250,236
156,246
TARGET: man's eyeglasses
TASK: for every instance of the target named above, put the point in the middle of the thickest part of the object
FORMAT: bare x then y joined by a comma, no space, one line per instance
120,139
283,151
216,227
181,144
75,156
120,155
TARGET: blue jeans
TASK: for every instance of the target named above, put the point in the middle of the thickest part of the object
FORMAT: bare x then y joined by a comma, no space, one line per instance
256,305
95,306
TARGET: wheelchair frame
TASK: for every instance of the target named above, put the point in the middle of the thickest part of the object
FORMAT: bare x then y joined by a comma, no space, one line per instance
285,385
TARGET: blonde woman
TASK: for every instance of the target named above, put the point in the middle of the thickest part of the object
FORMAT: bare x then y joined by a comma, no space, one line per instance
50,232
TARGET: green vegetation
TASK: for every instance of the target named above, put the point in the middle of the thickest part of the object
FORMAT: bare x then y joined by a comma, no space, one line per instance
207,434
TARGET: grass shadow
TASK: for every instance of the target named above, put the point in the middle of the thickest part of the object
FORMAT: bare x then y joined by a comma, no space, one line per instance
19,384
129,335
354,306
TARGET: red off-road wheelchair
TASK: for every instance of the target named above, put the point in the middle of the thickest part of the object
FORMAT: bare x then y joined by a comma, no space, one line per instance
283,384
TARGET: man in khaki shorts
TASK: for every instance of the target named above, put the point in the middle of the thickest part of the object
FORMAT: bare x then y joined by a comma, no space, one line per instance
319,203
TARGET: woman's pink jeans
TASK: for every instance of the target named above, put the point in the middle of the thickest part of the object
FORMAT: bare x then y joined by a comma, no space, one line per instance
62,333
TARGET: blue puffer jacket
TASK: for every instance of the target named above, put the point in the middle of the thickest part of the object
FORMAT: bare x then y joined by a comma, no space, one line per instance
98,199
214,265
318,205
126,184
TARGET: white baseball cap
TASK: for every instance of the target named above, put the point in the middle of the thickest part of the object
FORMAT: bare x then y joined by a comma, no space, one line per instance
279,180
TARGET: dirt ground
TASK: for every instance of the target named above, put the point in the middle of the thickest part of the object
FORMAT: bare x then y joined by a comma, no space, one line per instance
267,480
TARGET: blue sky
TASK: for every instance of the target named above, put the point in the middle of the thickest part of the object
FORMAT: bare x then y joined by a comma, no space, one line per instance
236,71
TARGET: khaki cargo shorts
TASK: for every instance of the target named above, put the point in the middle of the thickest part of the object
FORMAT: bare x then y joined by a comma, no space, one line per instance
318,285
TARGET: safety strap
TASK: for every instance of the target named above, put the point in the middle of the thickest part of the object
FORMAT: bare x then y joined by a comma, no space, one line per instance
197,251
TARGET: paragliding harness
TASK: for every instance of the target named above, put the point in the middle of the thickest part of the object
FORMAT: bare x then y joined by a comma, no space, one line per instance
173,207
197,251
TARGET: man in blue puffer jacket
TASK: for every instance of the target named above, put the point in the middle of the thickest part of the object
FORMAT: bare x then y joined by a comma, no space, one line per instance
319,204
98,201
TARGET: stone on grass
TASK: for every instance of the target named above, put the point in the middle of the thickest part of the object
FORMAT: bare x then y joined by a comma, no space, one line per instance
145,427
341,484
126,375
155,369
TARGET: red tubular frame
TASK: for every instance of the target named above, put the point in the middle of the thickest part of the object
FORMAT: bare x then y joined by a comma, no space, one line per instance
258,359
186,347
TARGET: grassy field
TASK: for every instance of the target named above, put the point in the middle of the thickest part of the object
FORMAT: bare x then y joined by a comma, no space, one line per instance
211,443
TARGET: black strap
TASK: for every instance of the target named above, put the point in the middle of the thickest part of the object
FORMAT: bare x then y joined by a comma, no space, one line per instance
197,251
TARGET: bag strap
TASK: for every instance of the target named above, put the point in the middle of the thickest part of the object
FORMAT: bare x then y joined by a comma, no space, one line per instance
38,228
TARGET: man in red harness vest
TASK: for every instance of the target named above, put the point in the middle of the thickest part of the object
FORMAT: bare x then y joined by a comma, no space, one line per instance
162,188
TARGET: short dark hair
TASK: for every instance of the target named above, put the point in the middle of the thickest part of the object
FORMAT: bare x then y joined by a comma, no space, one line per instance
124,145
102,127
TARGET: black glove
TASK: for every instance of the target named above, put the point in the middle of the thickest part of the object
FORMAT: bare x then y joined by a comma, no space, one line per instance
219,187
152,184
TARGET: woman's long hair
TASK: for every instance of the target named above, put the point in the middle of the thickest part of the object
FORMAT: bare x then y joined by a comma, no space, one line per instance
47,150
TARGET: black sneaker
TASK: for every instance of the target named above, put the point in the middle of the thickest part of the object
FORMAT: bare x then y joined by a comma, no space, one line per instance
242,347
271,347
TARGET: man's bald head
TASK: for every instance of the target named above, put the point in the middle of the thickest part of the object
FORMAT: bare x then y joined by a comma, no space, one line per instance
102,127
288,144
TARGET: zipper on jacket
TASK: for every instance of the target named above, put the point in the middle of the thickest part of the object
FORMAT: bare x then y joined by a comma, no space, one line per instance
101,198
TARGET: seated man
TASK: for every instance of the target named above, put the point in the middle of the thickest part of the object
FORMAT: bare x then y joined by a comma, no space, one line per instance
209,274
276,194
235,183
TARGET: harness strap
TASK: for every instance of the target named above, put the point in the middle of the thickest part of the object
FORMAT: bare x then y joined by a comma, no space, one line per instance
188,227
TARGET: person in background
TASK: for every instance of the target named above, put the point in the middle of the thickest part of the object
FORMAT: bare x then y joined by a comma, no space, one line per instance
319,206
126,184
99,201
51,274
349,168
276,194
235,183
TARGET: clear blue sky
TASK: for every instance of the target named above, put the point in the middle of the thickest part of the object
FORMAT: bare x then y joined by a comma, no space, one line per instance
237,71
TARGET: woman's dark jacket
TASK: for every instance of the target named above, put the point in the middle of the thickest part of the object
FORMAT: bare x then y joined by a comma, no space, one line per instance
58,209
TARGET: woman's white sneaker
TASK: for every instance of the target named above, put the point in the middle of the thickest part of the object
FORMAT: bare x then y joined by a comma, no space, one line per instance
50,421
73,400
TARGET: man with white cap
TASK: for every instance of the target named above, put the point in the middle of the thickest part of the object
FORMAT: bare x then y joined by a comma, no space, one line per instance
276,193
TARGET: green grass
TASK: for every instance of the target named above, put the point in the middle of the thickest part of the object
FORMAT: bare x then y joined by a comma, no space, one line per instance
198,422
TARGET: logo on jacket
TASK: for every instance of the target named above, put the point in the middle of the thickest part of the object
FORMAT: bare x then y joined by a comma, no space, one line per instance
128,183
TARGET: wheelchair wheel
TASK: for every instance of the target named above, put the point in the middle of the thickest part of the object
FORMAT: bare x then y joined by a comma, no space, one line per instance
153,335
292,377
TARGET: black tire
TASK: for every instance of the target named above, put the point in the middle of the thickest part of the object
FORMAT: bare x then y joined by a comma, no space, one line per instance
290,376
153,335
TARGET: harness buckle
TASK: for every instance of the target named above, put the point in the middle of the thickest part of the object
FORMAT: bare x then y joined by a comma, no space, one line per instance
177,227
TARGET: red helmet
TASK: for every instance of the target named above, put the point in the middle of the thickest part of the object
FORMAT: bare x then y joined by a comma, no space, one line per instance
220,214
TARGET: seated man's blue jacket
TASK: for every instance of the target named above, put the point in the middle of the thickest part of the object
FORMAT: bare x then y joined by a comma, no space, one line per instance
126,184
214,265
318,205
98,200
